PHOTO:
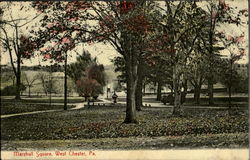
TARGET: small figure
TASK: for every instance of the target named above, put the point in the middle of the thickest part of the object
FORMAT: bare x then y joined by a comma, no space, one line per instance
114,96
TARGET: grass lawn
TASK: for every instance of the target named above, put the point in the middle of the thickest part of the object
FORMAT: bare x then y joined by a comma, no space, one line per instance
98,125
232,140
11,108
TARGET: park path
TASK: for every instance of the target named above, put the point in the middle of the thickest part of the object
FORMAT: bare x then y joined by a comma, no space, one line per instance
27,113
105,101
77,106
161,105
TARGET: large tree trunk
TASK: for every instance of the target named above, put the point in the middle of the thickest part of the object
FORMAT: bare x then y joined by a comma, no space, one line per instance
230,97
197,91
144,88
65,82
131,77
138,93
18,78
184,94
139,86
159,86
211,55
29,90
230,85
210,92
177,91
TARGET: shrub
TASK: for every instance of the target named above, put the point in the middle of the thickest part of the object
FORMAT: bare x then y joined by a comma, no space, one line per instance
11,90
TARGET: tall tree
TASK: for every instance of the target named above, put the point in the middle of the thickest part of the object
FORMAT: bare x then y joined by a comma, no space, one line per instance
180,20
61,30
235,46
220,13
126,25
76,70
18,45
93,82
30,81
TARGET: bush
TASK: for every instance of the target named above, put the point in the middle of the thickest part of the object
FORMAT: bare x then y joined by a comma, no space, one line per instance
170,98
11,90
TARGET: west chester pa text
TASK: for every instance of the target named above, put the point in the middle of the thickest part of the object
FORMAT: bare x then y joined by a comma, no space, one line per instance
54,153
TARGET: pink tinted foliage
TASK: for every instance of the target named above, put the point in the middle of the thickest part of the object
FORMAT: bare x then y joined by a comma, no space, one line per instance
46,49
47,56
221,2
27,46
73,19
226,7
66,40
87,86
126,6
90,43
239,39
230,38
50,25
214,14
138,24
77,5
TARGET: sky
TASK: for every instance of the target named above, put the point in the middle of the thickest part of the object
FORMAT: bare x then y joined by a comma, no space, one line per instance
105,52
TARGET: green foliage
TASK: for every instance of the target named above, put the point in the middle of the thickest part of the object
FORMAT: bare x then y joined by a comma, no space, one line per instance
96,72
242,85
119,64
231,78
11,90
92,84
77,69
106,122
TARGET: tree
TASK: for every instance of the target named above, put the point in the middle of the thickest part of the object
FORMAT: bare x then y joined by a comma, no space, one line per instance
18,45
47,82
88,87
181,20
236,50
125,26
220,13
119,63
86,70
91,83
8,76
61,30
115,24
196,72
159,70
11,90
30,81
77,69
96,71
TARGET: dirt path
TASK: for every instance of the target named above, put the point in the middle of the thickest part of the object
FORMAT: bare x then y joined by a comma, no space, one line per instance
105,101
77,106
